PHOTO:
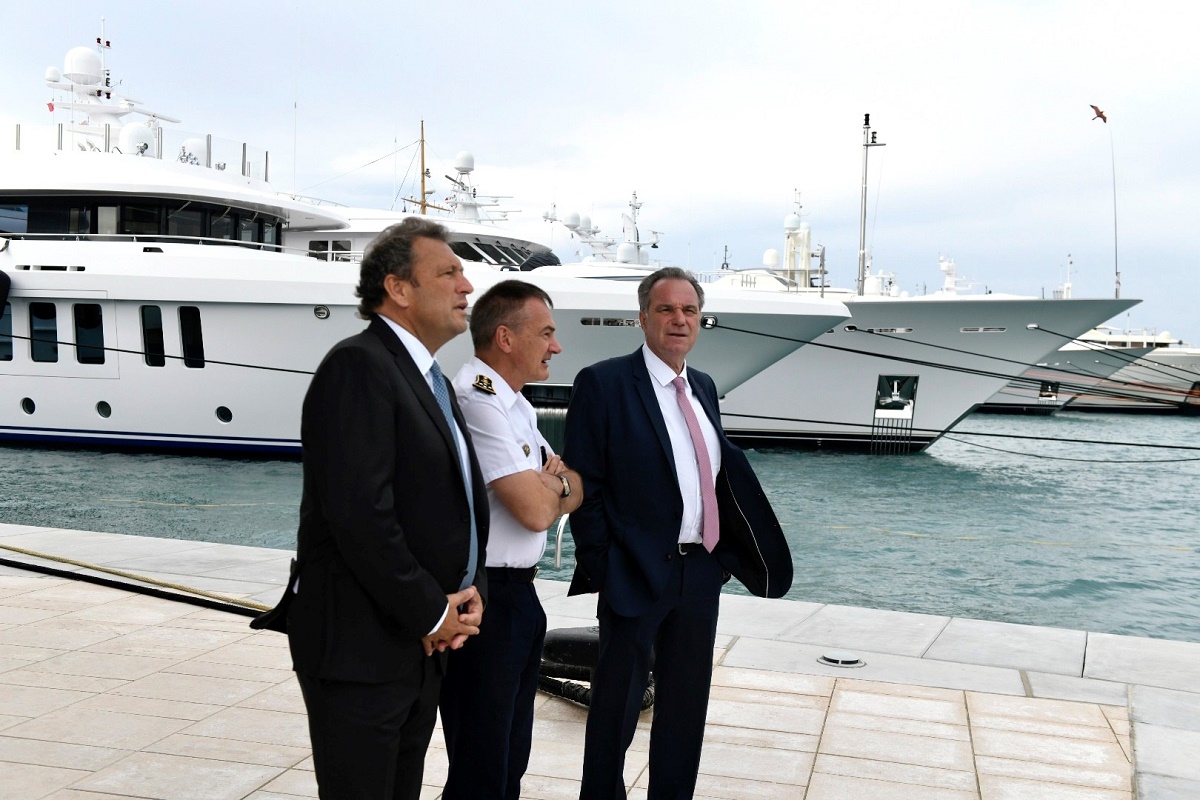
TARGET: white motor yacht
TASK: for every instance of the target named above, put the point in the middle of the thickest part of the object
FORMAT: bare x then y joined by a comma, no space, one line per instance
1165,380
155,302
897,375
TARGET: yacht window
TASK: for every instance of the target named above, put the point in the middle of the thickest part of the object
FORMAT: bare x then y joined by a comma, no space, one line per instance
89,333
53,218
192,336
249,230
465,251
341,250
6,348
43,332
318,250
14,218
152,336
107,218
185,222
140,220
513,258
494,255
271,234
222,227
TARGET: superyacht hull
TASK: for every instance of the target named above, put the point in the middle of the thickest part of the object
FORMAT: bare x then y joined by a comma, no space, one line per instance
1164,381
1051,384
903,371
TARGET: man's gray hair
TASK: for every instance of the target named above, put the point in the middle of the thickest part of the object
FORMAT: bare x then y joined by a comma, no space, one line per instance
666,274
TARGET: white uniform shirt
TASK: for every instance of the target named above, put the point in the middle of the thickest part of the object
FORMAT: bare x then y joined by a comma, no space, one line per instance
504,430
691,526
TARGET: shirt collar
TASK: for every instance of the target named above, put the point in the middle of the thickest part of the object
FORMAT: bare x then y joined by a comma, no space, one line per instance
659,370
419,352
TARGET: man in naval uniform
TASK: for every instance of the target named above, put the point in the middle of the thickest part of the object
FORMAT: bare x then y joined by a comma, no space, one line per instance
490,684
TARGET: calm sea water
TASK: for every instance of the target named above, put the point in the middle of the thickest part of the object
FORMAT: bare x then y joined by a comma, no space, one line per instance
1057,533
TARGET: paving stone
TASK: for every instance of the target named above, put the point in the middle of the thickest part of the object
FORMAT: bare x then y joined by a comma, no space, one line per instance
993,787
254,725
961,780
850,701
1053,773
1161,787
1143,661
845,787
1084,690
178,778
1003,644
25,781
207,747
1167,751
901,748
873,630
33,701
97,728
1049,749
19,750
1166,707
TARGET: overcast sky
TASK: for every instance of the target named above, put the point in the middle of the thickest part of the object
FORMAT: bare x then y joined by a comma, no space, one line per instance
714,114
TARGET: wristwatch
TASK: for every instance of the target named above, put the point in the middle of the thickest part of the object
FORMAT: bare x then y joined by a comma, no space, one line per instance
566,492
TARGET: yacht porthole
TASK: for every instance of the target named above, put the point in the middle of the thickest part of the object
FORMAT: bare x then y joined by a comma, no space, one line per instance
224,414
321,312
104,409
27,405
708,322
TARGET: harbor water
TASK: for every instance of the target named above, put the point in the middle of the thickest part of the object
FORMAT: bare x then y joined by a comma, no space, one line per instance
1062,533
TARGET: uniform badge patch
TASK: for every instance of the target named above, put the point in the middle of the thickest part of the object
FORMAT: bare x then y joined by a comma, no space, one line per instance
525,447
484,384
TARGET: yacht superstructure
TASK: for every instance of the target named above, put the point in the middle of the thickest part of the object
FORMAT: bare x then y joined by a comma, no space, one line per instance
155,300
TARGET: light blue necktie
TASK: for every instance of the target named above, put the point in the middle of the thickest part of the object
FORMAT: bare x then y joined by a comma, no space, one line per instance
443,401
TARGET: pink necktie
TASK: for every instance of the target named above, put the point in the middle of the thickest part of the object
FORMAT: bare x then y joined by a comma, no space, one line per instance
708,492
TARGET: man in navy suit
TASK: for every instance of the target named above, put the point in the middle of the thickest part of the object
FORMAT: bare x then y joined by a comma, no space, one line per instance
393,525
644,432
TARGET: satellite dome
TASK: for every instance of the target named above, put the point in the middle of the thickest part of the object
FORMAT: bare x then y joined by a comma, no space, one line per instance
771,259
82,65
585,222
464,162
53,75
138,140
627,253
791,222
571,221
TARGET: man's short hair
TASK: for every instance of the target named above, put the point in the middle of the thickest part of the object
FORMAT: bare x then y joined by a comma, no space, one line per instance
503,304
391,254
666,274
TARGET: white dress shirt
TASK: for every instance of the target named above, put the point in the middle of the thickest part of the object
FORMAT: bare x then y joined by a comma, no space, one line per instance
686,467
507,441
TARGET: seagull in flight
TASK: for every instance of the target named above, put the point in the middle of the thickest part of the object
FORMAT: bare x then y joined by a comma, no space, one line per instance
1099,115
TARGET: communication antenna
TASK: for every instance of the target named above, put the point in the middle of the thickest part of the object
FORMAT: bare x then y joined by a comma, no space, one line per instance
868,143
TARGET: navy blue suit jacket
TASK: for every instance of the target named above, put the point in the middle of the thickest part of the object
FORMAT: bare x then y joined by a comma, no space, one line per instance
628,524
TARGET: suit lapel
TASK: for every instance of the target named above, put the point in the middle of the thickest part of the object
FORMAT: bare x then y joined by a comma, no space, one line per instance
420,387
644,385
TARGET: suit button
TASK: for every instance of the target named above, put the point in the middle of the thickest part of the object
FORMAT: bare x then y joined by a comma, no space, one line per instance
670,556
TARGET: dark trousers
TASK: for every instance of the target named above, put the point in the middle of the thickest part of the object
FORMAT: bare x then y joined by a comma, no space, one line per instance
369,739
677,633
488,694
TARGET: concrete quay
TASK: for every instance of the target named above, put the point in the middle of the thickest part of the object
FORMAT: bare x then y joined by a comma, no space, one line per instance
107,693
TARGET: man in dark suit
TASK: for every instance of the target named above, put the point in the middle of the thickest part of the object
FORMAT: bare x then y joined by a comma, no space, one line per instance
644,432
393,524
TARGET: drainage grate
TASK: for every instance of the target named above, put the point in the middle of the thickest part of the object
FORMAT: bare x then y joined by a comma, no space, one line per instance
841,658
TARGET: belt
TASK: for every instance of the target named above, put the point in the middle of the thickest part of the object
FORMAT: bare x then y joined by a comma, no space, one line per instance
689,547
511,574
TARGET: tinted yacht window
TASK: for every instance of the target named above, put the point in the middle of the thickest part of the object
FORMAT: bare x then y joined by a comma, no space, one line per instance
152,336
43,332
89,333
14,218
6,349
192,336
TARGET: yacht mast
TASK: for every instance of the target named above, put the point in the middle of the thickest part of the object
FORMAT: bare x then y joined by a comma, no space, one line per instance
868,142
424,172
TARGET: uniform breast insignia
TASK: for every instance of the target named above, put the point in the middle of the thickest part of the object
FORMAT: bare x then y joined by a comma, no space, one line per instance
484,384
525,447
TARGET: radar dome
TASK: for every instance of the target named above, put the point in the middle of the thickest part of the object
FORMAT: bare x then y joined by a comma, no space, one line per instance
138,140
791,222
771,259
464,162
53,75
82,65
585,222
627,253
571,221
